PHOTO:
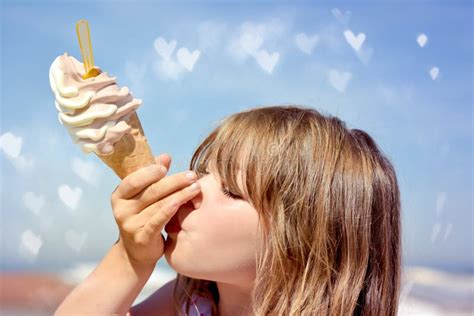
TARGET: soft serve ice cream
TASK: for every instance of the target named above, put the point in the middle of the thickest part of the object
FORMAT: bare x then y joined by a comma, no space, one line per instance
95,111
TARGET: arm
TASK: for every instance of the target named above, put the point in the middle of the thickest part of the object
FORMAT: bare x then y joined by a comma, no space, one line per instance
118,279
110,289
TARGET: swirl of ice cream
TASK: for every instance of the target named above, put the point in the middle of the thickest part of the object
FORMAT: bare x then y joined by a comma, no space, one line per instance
95,111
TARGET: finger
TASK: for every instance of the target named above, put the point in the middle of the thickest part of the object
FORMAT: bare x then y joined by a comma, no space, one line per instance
164,159
138,180
160,215
179,197
161,189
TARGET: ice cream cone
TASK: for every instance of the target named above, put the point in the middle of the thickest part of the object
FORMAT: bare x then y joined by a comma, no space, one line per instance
131,152
99,115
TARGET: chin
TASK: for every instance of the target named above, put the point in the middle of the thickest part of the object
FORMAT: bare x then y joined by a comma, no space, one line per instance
182,266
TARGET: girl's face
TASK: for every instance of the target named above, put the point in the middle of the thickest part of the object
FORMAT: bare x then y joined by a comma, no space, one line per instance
218,239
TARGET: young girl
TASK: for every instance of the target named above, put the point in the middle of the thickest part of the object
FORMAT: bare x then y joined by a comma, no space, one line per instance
296,215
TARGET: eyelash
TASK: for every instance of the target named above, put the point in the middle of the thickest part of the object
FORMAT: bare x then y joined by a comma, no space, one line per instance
230,194
224,190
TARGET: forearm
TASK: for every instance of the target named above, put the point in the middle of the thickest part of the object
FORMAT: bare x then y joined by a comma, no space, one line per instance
110,289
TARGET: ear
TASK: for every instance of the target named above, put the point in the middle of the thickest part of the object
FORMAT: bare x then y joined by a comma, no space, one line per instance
164,159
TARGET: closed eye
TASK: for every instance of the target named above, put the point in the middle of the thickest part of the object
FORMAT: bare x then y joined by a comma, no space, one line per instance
230,194
224,190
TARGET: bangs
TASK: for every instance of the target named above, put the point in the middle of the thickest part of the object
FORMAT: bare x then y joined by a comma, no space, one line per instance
257,142
226,151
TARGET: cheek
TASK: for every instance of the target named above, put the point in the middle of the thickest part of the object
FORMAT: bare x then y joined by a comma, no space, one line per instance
226,225
219,243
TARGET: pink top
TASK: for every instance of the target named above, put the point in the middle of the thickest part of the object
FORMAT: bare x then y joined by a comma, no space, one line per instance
200,306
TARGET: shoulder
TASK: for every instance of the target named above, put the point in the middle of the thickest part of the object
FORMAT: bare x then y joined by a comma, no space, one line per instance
200,306
161,300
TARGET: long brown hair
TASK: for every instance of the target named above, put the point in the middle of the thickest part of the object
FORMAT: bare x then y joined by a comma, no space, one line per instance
329,206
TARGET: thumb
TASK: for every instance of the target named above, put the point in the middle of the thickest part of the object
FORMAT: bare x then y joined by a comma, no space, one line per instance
164,159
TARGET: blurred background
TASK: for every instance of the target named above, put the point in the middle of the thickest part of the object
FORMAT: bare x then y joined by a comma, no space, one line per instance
400,70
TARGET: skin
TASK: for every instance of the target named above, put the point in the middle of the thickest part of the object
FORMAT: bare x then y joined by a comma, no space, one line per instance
217,242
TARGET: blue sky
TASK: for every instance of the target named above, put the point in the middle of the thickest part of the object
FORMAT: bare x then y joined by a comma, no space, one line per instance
408,84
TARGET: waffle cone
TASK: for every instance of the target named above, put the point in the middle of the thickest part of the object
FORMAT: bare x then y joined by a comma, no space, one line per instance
131,152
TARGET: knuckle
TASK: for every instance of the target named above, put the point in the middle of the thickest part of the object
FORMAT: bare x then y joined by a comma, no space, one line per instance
133,184
154,190
157,220
153,224
139,240
119,215
128,227
160,209
173,202
160,204
149,228
156,205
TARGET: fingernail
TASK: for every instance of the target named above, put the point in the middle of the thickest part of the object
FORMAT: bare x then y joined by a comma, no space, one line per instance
163,169
191,175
